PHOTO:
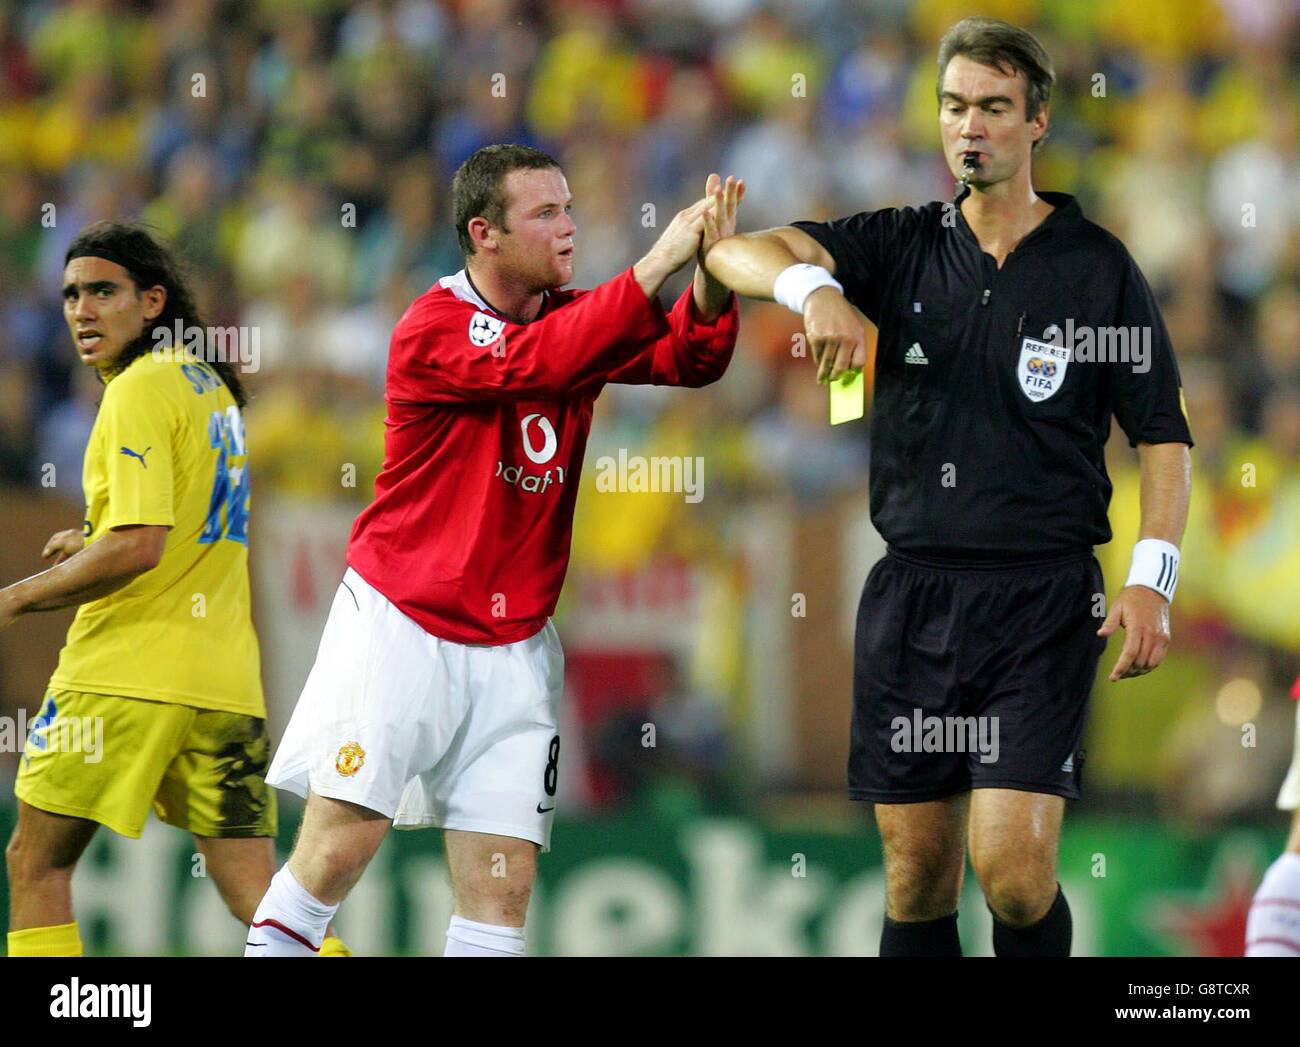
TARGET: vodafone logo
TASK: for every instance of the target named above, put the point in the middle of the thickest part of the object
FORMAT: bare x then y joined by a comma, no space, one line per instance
549,442
535,429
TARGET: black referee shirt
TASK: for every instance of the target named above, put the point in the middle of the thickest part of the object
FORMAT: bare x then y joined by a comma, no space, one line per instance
994,388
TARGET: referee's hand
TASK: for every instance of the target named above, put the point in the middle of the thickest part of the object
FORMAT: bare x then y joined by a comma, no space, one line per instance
1144,615
837,333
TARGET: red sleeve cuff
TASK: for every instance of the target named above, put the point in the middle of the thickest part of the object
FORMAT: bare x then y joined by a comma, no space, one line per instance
652,315
726,318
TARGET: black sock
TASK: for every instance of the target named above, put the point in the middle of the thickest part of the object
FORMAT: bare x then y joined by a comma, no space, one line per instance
1050,936
921,938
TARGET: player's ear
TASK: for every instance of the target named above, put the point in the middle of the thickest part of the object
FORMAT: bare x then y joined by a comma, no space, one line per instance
1040,121
155,298
482,233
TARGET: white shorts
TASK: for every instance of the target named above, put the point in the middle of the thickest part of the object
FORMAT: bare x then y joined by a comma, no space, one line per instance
425,731
1288,799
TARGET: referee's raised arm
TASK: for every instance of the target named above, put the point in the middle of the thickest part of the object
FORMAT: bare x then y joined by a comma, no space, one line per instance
749,263
787,265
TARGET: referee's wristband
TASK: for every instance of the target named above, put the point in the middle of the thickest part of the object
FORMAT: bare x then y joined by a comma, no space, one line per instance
796,283
1155,565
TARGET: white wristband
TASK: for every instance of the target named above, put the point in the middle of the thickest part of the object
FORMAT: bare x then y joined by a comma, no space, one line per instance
796,283
1155,565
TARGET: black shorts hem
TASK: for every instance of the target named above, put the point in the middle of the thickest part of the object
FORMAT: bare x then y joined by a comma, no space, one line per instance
1070,792
918,796
927,795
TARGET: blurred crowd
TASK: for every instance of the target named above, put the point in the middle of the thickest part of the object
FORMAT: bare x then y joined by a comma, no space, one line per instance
300,153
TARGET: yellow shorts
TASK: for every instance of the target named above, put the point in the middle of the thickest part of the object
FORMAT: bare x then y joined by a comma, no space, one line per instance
109,759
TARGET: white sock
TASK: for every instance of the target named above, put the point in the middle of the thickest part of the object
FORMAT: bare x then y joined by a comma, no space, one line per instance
288,921
467,938
1273,927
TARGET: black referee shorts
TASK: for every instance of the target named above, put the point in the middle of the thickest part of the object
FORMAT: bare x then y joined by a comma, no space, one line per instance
973,677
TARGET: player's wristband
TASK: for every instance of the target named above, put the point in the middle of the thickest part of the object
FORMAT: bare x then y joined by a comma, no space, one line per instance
796,283
1155,565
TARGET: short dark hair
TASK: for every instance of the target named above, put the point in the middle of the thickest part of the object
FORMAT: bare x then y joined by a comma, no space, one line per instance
1008,48
150,263
478,190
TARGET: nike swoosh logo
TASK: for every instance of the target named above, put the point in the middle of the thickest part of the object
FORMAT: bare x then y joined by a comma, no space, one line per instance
255,945
543,810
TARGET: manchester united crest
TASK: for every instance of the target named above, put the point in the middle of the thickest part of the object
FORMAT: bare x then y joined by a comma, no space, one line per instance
349,759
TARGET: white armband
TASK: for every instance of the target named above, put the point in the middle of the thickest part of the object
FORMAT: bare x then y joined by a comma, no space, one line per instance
1155,565
796,283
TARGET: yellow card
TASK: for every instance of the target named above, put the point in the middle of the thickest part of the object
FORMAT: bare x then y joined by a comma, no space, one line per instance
848,398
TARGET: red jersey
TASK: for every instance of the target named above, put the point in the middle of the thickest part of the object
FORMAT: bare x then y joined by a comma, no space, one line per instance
487,423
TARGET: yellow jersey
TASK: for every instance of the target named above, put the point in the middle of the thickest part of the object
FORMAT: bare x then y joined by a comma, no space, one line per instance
168,448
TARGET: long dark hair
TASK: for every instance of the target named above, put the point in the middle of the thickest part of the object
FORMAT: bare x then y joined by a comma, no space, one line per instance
151,264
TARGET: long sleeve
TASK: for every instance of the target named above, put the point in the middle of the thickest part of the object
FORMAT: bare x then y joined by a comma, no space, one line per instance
693,352
445,349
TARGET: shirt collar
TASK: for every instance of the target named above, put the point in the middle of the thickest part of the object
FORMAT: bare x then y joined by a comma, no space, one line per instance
463,288
1066,212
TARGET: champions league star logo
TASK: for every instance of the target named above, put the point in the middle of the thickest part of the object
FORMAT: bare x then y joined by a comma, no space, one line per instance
484,329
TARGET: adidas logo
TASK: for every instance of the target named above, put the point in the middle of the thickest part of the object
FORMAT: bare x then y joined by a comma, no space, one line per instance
914,355
1068,766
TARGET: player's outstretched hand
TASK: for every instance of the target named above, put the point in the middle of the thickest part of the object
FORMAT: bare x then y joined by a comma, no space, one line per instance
720,219
1144,616
837,333
681,240
63,544
678,244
